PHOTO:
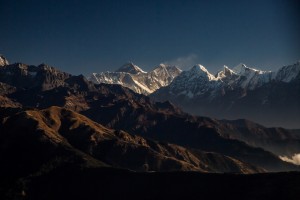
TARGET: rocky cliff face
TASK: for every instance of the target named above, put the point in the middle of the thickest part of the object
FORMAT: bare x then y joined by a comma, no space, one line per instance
42,77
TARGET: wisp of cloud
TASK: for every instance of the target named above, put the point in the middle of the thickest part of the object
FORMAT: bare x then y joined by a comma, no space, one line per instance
184,62
295,159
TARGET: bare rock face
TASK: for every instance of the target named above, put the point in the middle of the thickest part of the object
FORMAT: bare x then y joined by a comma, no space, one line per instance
3,61
42,77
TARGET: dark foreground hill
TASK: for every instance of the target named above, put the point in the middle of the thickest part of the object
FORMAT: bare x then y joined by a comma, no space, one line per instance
108,183
34,138
41,146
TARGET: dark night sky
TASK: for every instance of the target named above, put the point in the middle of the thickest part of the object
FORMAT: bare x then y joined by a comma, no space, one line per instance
87,36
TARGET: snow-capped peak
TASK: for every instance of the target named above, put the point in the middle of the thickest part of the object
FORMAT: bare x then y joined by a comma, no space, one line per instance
166,70
168,67
130,68
288,73
159,70
133,77
240,69
199,68
244,77
3,61
226,72
162,65
202,71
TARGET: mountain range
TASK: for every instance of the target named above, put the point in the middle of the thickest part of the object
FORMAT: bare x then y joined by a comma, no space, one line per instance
119,108
54,125
270,98
133,77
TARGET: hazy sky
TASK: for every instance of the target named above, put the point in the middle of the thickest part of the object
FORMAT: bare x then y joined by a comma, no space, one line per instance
87,36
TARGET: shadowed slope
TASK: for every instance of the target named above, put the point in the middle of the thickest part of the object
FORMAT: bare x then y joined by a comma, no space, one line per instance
70,183
61,127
